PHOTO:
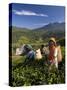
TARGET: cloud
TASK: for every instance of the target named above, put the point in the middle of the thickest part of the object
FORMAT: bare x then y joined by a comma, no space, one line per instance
41,24
29,13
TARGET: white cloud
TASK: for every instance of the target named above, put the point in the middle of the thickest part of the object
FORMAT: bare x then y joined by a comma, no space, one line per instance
29,13
41,23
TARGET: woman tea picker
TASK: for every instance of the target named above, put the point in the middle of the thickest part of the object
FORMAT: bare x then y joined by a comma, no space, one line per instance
54,52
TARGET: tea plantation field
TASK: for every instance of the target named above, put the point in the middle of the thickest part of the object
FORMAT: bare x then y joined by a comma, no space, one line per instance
36,72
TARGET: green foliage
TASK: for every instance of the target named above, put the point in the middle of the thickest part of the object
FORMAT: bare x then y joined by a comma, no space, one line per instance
23,40
61,41
37,72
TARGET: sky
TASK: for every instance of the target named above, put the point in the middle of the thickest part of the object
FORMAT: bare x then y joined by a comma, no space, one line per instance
35,16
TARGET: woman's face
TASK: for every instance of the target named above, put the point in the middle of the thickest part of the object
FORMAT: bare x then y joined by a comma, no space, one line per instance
51,43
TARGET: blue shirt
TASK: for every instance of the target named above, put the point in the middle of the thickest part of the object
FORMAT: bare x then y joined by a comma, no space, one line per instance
31,55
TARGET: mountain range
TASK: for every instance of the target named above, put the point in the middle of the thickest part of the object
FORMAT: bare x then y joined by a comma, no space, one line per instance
51,30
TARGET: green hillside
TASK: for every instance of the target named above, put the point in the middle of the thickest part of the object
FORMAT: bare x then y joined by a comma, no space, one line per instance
40,35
